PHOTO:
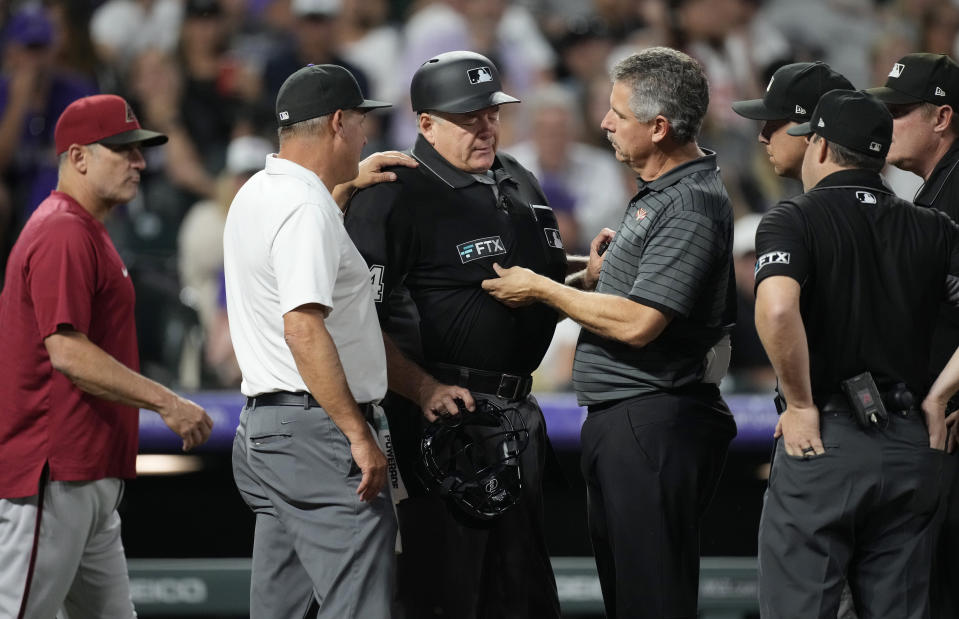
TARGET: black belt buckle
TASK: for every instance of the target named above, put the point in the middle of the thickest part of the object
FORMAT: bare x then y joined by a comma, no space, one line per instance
510,386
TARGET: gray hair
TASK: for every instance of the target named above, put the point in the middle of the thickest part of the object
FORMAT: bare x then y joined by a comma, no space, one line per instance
304,128
63,157
666,82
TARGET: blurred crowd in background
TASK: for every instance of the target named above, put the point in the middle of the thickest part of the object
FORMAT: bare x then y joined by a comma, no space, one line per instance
206,73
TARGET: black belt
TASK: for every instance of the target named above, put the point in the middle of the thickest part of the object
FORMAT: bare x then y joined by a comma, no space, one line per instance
839,403
301,399
506,386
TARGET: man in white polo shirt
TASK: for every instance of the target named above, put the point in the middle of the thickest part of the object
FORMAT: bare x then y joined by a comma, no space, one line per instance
311,352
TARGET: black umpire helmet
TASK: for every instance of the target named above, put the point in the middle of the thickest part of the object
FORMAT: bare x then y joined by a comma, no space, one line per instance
457,82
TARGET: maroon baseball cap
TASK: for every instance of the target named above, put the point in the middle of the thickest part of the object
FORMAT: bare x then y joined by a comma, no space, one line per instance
102,119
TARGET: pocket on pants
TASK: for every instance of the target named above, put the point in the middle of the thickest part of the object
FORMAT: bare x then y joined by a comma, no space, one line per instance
339,450
929,489
649,436
269,431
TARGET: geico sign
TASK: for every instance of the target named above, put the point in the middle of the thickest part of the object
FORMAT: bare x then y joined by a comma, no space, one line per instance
168,590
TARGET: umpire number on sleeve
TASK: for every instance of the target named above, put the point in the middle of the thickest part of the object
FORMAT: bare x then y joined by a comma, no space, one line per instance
773,257
376,280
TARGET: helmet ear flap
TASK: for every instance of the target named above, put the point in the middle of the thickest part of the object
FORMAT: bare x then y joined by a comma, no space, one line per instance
473,459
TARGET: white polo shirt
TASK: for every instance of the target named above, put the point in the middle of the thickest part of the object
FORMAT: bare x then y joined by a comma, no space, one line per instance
284,246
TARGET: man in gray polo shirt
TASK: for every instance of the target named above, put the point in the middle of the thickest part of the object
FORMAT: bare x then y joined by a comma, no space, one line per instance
655,309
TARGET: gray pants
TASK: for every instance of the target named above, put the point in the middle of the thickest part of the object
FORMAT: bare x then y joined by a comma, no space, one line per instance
79,570
313,536
863,511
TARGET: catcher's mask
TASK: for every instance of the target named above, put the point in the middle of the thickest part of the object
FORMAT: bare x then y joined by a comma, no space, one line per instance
472,459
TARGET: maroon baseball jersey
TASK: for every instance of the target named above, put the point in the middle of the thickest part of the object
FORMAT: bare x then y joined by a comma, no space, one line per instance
63,270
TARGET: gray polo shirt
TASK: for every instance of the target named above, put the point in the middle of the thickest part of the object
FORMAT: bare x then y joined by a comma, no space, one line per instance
673,252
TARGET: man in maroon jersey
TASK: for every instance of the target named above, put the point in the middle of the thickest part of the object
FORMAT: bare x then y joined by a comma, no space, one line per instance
69,383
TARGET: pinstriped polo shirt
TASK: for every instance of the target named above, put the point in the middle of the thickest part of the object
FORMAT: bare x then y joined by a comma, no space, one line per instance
673,252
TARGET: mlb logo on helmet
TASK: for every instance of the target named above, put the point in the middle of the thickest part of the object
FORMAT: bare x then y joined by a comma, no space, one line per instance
480,75
875,146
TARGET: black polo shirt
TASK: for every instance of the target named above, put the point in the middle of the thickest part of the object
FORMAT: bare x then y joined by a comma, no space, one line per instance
672,252
431,238
873,270
941,191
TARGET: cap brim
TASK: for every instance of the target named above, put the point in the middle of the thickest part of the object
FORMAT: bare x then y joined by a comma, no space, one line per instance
890,96
800,129
142,136
756,109
372,104
472,104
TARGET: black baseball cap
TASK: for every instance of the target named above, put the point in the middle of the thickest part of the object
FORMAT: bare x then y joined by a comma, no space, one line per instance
851,118
793,92
317,90
915,78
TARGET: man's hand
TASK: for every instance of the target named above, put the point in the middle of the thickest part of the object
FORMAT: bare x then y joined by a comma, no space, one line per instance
368,456
934,409
799,427
436,399
596,257
188,420
371,168
515,286
371,172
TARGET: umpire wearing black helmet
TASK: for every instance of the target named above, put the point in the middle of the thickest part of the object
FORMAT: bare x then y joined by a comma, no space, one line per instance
457,82
431,238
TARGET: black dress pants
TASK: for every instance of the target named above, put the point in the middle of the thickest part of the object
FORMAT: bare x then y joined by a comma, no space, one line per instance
652,464
863,511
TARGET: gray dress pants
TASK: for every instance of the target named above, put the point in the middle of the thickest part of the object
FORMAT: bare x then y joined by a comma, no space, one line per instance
314,537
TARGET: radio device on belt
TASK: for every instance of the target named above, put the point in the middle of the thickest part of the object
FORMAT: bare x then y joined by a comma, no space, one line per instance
865,400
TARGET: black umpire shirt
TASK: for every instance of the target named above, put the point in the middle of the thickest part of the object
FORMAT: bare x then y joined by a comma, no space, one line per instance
941,191
873,270
432,237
